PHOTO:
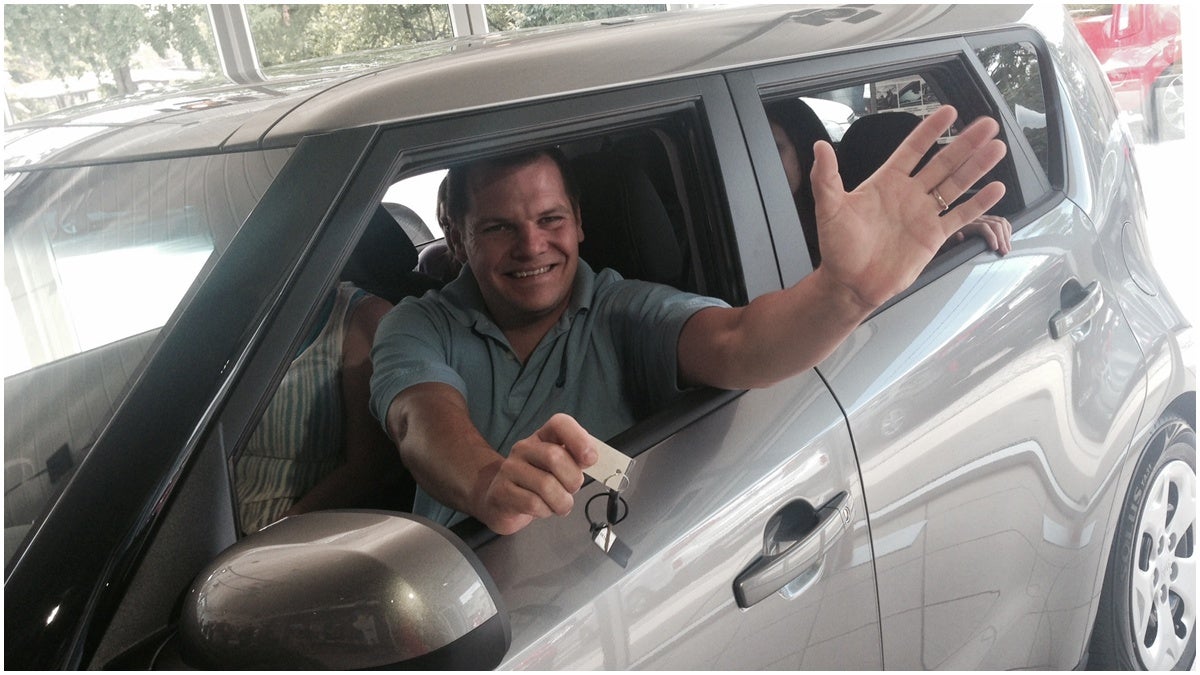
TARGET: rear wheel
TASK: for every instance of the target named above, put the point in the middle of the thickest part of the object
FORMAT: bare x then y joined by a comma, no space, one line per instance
1147,614
1168,105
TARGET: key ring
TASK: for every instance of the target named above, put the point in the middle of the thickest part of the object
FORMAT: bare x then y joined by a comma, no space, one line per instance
596,525
622,481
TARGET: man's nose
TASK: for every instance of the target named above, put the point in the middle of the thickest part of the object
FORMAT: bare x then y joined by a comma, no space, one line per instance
531,240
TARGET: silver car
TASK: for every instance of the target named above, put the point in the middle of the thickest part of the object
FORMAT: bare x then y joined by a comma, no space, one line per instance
996,470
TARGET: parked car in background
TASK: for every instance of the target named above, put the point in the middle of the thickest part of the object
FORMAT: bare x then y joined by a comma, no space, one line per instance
996,470
1140,48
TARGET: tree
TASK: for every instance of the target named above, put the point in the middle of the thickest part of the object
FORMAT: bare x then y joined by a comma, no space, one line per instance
289,33
68,40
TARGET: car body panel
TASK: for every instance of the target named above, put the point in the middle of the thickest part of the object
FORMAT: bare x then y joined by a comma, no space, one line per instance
698,506
991,479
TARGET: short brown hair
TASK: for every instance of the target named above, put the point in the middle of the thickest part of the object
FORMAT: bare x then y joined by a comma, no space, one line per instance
458,179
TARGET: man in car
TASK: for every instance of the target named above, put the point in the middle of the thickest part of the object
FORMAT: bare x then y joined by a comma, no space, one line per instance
493,388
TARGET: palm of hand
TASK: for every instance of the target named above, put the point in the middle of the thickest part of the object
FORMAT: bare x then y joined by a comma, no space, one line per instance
877,239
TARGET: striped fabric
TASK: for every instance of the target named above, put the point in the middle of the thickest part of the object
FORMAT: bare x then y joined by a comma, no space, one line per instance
299,439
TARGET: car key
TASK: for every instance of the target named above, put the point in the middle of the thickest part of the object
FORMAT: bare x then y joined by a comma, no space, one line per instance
603,534
612,471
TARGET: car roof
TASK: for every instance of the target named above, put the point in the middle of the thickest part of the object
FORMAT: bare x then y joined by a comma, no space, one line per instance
472,73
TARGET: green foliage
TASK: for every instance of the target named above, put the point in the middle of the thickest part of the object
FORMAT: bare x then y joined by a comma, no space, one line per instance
68,40
509,17
185,28
290,33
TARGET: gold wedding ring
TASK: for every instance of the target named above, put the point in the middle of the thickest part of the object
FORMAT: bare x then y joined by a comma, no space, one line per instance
938,196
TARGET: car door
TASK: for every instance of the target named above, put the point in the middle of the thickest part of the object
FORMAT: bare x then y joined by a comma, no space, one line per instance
990,403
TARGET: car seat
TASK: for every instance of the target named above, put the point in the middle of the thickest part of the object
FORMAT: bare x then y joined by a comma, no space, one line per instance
870,140
384,260
625,224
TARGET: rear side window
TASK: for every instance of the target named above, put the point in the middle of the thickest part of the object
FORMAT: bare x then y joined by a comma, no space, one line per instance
1017,74
96,259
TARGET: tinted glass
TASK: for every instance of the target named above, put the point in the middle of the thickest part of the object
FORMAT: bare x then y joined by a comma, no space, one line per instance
1015,70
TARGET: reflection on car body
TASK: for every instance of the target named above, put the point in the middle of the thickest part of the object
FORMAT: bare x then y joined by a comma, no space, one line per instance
985,470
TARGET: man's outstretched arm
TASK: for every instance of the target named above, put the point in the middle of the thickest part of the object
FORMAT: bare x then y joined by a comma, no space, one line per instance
874,243
451,461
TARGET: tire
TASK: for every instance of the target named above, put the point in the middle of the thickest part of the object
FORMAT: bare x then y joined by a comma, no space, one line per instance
1168,109
1147,614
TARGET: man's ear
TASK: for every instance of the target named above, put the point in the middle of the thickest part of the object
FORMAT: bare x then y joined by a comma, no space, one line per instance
578,220
454,241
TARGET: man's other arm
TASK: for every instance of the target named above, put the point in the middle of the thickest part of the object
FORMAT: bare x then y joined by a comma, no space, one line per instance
874,243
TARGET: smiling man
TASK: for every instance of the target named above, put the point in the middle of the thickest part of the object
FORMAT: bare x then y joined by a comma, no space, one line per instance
492,388
527,331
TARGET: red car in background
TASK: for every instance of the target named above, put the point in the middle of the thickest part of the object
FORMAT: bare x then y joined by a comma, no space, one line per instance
1141,51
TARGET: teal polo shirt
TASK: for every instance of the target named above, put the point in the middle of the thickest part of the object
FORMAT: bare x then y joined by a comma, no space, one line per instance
609,361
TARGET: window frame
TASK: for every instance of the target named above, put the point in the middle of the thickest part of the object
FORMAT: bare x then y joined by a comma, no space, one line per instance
732,217
752,87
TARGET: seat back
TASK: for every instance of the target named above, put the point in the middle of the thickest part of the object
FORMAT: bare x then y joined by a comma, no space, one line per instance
870,140
384,260
625,223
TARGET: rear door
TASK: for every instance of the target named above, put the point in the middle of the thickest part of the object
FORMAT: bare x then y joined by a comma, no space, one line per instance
987,438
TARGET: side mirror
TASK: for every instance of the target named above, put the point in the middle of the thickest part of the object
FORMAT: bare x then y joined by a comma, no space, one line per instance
345,590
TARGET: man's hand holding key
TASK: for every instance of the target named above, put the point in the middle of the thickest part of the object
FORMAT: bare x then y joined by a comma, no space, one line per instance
542,474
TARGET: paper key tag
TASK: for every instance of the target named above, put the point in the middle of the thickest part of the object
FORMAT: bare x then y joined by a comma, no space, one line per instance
616,549
611,468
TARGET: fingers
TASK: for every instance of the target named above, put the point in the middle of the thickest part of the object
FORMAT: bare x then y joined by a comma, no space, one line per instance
825,180
973,208
562,429
995,230
541,475
961,163
909,154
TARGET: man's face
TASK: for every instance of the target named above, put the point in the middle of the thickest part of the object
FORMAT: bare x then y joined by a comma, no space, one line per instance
521,237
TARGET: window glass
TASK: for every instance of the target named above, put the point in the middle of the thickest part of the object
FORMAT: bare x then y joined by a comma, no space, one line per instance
419,193
95,260
288,33
865,122
1015,70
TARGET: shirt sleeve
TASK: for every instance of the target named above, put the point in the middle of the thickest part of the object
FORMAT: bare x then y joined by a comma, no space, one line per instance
409,349
649,318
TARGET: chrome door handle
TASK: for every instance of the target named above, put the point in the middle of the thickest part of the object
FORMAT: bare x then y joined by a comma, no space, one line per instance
796,539
1085,305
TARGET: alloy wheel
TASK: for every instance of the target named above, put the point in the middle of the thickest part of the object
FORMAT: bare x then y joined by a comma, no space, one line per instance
1163,583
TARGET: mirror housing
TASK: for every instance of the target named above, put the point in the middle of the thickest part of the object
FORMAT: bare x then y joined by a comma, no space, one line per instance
345,590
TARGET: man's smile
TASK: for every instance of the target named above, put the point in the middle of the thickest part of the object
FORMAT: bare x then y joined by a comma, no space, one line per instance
523,274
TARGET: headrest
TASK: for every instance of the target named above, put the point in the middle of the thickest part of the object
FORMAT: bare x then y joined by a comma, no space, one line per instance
384,258
800,122
868,143
625,224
